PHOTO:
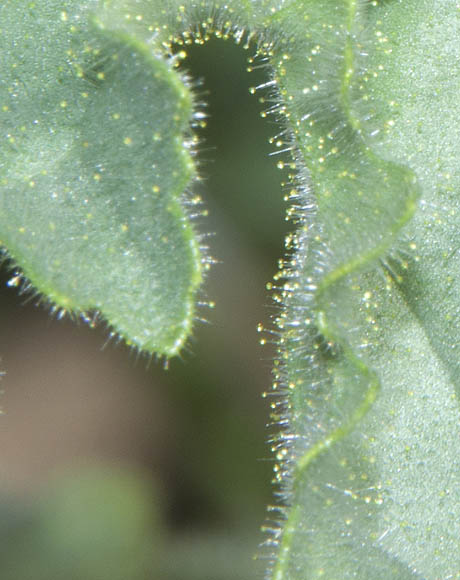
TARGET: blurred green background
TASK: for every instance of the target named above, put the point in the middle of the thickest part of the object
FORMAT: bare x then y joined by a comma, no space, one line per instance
112,467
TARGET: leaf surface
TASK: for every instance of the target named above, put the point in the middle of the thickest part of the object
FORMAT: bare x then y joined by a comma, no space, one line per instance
366,384
373,467
94,171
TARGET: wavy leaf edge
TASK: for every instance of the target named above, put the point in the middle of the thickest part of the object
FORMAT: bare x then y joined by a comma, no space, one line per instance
312,272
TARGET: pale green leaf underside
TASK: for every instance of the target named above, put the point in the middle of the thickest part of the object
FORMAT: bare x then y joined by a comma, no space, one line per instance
369,333
377,493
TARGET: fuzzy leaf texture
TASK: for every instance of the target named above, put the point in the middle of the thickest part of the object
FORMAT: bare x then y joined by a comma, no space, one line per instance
367,379
93,172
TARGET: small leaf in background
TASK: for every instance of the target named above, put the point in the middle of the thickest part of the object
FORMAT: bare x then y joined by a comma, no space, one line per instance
92,522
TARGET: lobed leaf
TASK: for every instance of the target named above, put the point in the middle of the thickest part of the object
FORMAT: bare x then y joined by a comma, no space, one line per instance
94,171
372,442
366,385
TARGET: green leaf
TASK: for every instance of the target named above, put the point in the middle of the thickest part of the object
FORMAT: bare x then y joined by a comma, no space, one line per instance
366,385
94,171
372,446
416,100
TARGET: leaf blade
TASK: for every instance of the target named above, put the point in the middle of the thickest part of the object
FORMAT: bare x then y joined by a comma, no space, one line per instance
376,494
93,204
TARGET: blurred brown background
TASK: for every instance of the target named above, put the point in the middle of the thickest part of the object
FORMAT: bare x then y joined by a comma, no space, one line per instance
114,468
